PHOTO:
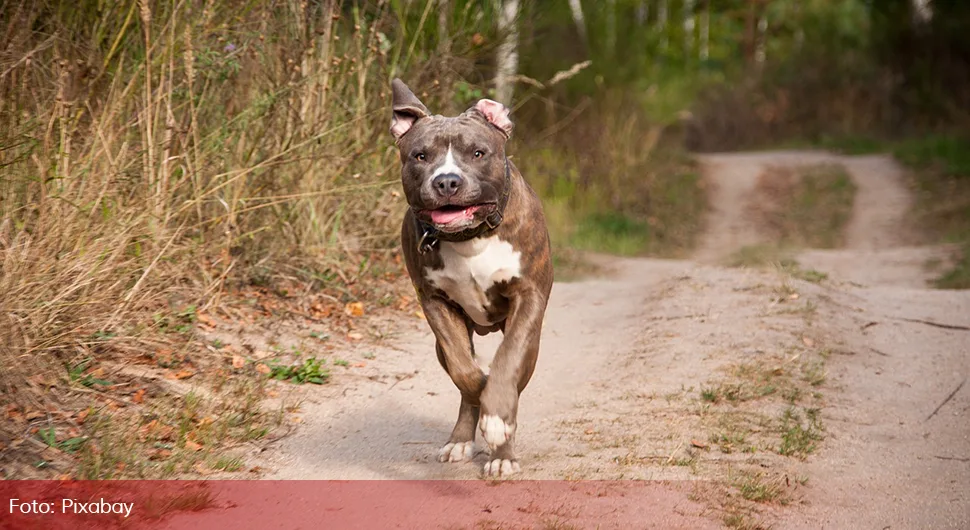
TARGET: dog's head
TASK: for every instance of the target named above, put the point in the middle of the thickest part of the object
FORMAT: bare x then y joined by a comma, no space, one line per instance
453,169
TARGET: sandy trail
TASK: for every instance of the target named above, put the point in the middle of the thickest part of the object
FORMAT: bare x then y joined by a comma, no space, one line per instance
615,394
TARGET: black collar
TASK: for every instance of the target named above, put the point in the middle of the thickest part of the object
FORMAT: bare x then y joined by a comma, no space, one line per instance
428,235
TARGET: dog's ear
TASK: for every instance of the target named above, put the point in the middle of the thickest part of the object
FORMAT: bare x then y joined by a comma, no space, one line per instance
497,114
407,108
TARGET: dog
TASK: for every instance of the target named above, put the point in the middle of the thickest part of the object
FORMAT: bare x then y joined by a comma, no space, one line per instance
476,248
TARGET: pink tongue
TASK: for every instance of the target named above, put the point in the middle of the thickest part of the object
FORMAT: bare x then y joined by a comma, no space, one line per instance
443,217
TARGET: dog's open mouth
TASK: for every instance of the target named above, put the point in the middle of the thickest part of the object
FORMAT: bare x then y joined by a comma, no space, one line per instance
453,214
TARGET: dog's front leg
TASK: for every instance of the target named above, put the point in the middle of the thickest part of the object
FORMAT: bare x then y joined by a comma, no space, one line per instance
510,372
456,355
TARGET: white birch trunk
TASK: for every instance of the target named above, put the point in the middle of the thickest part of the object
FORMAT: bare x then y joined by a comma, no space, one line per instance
576,8
705,51
507,63
643,12
761,48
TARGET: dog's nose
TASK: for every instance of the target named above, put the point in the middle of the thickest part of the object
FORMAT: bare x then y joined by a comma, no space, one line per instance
446,185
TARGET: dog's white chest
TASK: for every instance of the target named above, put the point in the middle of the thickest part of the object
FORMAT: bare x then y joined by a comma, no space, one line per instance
471,268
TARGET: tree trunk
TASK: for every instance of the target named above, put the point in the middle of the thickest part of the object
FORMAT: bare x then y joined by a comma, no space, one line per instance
688,28
507,62
576,9
662,23
643,12
762,46
611,28
705,37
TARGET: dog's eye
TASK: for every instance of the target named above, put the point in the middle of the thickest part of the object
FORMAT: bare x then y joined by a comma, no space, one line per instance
420,156
479,153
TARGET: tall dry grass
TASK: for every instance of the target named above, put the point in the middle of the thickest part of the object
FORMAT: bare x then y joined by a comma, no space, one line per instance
151,151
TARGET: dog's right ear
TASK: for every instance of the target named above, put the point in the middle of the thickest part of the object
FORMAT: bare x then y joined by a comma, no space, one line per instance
407,109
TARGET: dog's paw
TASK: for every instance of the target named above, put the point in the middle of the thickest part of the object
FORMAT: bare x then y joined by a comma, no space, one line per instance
456,452
495,431
501,468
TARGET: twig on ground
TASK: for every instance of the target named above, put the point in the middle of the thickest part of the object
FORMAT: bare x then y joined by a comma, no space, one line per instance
957,458
934,324
947,400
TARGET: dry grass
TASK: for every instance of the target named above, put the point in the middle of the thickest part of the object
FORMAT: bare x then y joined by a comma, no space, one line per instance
155,154
806,207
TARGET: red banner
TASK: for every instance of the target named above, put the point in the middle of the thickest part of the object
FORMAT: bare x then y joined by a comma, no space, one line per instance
351,504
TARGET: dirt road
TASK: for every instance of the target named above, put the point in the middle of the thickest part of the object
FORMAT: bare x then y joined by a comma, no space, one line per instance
620,391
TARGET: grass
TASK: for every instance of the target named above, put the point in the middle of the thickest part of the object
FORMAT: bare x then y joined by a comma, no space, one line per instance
940,169
613,191
756,487
764,256
805,207
800,437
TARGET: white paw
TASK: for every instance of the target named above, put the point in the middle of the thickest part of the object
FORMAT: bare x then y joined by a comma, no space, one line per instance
501,468
495,431
456,452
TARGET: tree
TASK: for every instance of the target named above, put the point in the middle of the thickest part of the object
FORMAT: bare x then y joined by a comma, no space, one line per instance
507,60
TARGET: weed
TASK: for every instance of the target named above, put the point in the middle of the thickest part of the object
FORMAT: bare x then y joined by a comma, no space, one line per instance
228,464
311,371
814,372
341,362
756,487
799,438
809,208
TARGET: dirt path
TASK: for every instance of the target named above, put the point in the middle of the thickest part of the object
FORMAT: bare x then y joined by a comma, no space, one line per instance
625,359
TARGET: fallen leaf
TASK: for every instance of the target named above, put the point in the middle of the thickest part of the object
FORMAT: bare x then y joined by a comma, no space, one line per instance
272,393
354,309
193,446
181,374
699,444
794,296
255,469
355,335
205,320
138,396
419,314
808,342
360,365
296,419
590,431
238,361
64,477
120,466
164,356
160,454
263,369
35,414
81,416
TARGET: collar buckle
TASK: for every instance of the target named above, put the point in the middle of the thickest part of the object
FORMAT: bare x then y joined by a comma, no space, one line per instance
426,242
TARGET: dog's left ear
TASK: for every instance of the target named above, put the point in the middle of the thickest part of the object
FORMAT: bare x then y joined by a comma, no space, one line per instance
407,108
497,114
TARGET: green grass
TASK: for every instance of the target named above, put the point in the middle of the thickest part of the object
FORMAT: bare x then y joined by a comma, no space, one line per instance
799,438
819,208
940,166
756,487
611,232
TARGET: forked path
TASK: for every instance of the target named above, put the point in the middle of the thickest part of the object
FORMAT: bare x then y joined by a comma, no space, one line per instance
615,393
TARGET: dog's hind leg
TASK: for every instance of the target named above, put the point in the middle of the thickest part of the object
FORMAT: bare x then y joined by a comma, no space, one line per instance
461,444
